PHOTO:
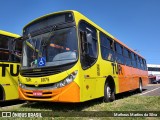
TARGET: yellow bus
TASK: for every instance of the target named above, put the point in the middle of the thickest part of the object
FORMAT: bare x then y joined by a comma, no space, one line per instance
68,58
10,50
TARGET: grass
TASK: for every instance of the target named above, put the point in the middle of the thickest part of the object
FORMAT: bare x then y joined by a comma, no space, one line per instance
124,103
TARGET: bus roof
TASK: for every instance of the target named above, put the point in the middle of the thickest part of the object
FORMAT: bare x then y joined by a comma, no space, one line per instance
2,32
78,14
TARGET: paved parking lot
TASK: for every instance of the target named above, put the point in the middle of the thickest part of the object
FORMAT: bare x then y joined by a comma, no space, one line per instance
151,90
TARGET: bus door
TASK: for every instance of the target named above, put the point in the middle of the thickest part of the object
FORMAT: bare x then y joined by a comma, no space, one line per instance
88,58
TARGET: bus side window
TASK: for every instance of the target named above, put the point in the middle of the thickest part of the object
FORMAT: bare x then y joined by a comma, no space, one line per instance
17,50
127,57
119,53
4,49
4,41
107,49
141,64
133,60
88,32
145,65
4,55
138,61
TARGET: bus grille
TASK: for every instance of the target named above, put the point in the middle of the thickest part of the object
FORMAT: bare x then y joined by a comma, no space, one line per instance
39,86
49,86
39,73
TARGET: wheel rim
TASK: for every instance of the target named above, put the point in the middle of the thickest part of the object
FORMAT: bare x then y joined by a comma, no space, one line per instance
109,92
140,86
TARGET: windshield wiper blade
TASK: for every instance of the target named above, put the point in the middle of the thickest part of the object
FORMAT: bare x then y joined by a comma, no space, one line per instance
45,42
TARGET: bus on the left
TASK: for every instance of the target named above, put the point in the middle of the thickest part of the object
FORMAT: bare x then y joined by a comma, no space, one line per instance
10,52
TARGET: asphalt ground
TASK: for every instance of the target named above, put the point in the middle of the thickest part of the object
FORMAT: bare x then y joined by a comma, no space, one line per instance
151,90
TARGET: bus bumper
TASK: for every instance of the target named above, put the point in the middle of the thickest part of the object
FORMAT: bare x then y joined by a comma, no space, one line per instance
68,93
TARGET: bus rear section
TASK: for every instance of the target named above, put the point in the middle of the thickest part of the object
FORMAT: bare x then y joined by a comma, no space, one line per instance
10,48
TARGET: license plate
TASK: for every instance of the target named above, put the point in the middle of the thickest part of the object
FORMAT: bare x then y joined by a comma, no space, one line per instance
37,93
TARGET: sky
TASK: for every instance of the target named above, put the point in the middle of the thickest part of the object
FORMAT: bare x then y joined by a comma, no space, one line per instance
134,22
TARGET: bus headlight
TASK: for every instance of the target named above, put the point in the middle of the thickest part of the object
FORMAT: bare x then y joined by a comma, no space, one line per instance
67,80
21,85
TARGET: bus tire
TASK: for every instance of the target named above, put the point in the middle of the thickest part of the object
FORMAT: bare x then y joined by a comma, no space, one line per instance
109,94
140,89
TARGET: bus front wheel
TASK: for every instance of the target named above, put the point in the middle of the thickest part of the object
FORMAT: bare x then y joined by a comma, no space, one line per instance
109,94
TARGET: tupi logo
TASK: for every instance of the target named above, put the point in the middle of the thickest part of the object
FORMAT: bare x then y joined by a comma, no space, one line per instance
12,73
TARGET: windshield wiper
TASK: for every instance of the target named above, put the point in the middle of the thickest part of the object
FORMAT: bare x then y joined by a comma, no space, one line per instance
45,42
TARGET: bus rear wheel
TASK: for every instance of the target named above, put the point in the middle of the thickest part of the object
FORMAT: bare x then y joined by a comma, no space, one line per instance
109,94
140,89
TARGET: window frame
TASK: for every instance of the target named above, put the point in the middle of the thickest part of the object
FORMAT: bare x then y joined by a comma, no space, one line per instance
133,59
80,43
111,48
127,57
116,45
9,50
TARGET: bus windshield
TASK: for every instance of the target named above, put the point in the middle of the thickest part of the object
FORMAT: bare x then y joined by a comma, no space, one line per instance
50,49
